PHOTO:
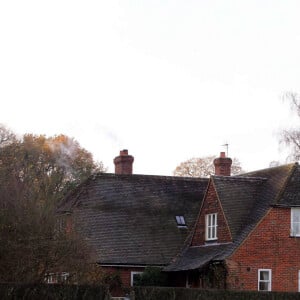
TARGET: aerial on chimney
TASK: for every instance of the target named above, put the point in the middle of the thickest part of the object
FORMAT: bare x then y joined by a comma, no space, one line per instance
223,165
123,163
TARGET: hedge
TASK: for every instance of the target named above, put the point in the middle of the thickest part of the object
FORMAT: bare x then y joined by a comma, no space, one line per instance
154,293
52,292
86,292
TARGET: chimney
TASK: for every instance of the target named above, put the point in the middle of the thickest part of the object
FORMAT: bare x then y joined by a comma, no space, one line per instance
123,163
223,165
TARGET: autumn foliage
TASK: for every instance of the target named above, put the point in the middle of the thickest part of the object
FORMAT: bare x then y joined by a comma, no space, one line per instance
36,172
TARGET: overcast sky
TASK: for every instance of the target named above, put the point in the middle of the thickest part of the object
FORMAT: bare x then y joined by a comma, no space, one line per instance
167,80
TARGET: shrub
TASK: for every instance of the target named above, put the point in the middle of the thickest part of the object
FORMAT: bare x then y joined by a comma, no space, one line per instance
152,276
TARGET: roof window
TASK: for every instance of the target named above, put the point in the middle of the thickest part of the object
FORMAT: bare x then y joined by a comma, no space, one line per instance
180,221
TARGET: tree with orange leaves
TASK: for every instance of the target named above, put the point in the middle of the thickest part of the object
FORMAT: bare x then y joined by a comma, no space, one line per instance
35,174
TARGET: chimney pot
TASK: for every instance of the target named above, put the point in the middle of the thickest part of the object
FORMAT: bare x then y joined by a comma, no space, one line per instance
123,163
222,154
124,152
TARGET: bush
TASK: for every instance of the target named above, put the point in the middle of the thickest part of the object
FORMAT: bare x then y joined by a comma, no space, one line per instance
154,293
52,292
152,276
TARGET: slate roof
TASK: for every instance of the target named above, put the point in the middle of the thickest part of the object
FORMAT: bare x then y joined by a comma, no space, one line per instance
130,219
245,200
291,194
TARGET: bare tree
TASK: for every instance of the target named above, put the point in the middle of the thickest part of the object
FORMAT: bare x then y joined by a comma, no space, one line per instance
291,137
6,136
203,167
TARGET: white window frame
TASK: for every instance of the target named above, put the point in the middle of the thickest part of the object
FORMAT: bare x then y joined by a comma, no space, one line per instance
298,280
211,226
52,278
294,210
269,281
132,276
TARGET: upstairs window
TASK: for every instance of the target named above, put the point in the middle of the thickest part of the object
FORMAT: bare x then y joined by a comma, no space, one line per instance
180,221
295,222
211,227
264,279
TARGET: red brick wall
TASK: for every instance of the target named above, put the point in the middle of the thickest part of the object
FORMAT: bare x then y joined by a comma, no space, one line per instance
269,246
211,204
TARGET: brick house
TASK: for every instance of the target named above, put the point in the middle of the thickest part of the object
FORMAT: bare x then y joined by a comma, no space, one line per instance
133,221
246,236
229,232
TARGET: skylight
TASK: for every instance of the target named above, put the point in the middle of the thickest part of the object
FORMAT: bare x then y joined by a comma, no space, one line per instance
180,221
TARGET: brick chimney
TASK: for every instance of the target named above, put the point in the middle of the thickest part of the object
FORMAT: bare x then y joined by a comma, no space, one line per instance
123,163
223,165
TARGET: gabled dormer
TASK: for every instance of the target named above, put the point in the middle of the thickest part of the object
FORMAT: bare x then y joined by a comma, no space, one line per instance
211,226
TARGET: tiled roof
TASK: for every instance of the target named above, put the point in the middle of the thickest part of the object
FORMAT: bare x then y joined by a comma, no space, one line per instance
291,194
245,200
238,196
196,257
130,219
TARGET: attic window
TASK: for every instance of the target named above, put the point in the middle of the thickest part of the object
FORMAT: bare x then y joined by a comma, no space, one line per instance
180,221
211,227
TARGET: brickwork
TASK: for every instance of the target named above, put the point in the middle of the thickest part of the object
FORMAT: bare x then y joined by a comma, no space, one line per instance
211,204
223,165
269,246
123,163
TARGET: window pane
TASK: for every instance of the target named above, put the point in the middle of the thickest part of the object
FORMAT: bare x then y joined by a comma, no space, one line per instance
209,220
296,229
180,220
213,233
263,286
296,214
264,275
136,278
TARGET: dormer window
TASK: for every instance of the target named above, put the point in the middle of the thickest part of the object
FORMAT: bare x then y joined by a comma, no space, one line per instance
295,222
211,227
180,221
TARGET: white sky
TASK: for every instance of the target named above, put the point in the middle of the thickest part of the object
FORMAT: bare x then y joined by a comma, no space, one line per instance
167,80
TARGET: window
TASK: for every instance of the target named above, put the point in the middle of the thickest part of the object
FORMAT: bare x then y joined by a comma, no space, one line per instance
51,278
295,222
180,221
264,279
299,281
135,276
211,227
56,277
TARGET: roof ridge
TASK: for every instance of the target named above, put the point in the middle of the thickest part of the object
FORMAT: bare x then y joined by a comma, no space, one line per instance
240,178
180,178
268,169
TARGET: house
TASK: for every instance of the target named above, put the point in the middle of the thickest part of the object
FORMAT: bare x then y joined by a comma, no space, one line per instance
229,232
134,221
247,234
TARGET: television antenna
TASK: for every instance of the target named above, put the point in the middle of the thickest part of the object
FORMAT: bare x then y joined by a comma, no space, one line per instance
226,146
